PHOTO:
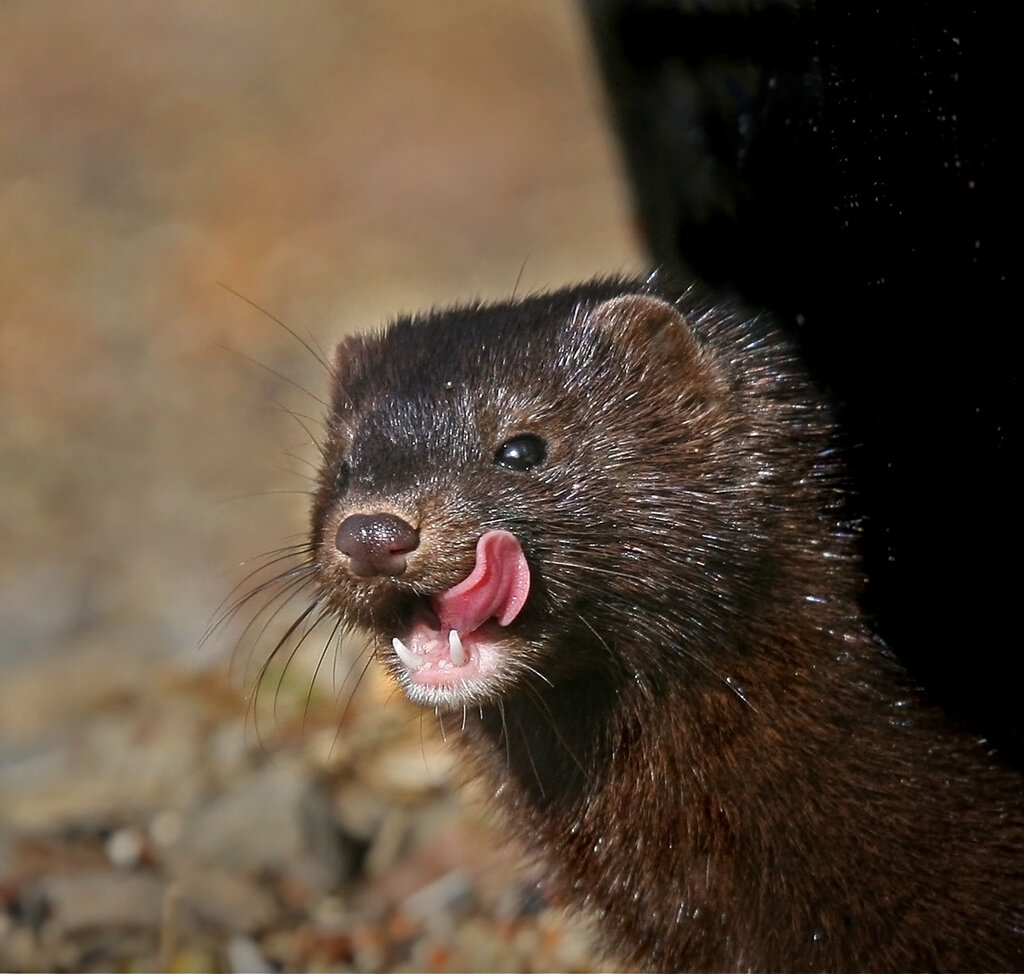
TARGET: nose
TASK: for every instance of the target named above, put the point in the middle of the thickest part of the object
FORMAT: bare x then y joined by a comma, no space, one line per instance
376,544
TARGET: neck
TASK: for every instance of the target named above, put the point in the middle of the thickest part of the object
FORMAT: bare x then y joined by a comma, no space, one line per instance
693,819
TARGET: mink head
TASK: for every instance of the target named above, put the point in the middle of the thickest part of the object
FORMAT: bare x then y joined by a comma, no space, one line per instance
508,489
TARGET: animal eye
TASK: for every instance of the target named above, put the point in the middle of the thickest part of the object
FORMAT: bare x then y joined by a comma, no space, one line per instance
521,452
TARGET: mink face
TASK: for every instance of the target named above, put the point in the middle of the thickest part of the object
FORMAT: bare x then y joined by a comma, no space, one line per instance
527,443
603,533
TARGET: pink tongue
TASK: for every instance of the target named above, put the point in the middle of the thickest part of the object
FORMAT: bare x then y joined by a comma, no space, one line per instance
495,589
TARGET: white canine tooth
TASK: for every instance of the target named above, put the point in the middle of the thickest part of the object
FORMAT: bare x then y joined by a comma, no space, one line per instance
456,650
410,660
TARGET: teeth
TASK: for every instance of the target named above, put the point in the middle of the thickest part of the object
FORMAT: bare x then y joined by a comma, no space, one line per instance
406,655
414,661
456,650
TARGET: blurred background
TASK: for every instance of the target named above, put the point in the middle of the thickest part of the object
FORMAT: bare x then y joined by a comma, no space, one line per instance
335,164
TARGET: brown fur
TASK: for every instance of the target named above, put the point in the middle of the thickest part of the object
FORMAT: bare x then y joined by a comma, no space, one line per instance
712,750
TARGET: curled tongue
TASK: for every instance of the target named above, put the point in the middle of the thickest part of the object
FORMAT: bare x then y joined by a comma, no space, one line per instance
495,589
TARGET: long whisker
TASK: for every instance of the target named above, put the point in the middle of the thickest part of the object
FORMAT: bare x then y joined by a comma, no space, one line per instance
277,375
264,669
359,673
317,353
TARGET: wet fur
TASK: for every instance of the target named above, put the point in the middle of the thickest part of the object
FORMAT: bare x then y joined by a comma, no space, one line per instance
701,734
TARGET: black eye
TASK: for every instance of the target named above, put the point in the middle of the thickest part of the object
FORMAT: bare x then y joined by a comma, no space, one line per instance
521,452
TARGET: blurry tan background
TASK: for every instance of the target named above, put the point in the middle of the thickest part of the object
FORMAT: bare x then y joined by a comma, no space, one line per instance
336,163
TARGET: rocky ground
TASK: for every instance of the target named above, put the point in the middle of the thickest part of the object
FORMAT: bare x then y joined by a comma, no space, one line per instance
335,163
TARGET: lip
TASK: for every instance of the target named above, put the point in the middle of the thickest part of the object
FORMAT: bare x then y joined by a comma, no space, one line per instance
436,662
451,649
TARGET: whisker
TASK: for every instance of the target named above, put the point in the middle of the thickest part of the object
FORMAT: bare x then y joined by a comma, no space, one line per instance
265,666
318,353
361,671
301,420
533,765
227,608
368,651
504,732
553,724
519,278
233,498
320,659
274,372
537,673
286,590
600,639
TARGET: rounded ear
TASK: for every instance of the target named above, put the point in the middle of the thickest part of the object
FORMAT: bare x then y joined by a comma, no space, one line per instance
344,352
344,371
660,348
647,326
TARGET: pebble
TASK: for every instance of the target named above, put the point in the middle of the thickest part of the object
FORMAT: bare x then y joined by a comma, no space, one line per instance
448,893
245,957
124,848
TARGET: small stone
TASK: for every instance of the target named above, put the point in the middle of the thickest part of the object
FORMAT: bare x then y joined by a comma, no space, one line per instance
245,957
446,894
124,848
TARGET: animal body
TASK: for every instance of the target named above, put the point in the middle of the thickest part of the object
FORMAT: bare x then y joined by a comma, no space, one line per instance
602,532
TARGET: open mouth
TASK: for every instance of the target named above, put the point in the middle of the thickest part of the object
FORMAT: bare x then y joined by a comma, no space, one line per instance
453,643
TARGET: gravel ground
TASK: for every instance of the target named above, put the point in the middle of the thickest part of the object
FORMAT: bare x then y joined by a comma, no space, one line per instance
335,163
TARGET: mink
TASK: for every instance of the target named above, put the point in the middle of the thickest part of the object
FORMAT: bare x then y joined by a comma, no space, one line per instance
603,532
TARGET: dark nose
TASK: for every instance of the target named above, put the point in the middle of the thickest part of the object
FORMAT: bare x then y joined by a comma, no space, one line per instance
376,544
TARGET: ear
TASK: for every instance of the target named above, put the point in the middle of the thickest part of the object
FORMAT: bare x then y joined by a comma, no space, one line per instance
660,349
647,328
345,367
344,352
